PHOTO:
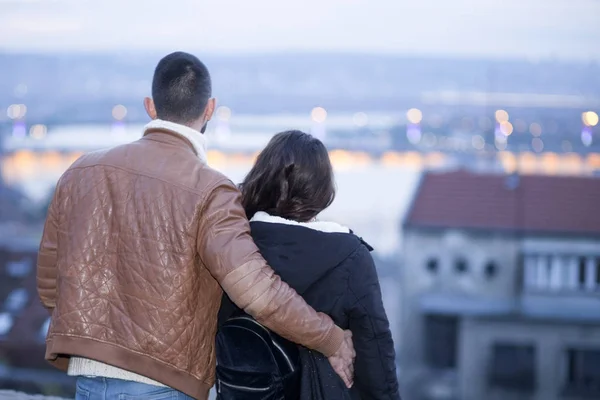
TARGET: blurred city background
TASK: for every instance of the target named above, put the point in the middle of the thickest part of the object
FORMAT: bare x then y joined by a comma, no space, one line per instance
464,135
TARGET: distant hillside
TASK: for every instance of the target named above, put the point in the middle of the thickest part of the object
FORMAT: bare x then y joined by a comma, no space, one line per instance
84,87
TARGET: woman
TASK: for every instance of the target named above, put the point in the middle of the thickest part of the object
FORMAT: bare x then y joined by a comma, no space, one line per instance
290,184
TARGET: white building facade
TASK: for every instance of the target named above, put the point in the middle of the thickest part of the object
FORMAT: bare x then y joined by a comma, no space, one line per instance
500,306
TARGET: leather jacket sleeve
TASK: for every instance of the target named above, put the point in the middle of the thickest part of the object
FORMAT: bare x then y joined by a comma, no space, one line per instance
375,367
228,251
46,262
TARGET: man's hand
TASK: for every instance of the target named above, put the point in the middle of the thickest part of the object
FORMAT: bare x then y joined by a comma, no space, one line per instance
343,360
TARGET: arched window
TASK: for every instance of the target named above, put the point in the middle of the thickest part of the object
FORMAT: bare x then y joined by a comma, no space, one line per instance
490,269
461,265
432,265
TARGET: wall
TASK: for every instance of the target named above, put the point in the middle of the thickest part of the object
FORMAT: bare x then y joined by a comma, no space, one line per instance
417,280
550,340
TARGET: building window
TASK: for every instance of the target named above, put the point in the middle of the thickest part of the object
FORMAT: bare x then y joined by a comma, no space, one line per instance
583,373
512,367
581,270
490,270
461,265
441,338
432,265
558,272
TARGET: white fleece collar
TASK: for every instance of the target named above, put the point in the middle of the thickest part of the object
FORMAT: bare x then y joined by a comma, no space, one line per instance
323,226
197,139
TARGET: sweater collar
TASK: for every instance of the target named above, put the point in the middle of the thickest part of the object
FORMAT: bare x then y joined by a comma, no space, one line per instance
323,226
197,139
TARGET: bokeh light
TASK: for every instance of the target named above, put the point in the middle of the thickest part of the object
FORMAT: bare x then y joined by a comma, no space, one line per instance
224,113
589,118
506,128
318,114
500,143
414,116
586,136
119,112
413,134
501,116
478,142
535,129
16,111
566,146
38,131
537,145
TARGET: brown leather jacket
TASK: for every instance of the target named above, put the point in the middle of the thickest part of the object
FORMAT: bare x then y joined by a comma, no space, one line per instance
138,244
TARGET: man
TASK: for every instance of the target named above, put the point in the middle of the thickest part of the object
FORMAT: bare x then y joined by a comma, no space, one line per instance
138,244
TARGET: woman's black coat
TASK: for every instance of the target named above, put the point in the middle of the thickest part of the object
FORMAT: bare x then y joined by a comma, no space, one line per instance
334,272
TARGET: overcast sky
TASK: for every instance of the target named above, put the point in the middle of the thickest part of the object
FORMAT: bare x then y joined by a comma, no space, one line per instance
566,29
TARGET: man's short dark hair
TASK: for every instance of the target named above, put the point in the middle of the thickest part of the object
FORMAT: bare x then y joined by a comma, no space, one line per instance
292,178
181,88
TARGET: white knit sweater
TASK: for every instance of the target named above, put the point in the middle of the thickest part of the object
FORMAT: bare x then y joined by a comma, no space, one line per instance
85,367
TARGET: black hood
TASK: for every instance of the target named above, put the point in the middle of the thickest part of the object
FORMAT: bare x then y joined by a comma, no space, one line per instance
302,255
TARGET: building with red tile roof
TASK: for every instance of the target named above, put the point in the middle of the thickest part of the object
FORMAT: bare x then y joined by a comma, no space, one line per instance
501,287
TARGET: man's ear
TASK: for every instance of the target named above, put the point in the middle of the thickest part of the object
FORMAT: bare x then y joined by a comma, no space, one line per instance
210,109
150,108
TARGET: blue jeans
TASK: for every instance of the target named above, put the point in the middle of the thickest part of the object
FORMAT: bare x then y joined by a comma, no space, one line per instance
116,389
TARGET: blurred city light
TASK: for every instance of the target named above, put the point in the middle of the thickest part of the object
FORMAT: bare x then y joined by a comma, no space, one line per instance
506,128
318,114
391,158
414,116
16,111
223,113
341,158
360,119
537,145
586,136
501,142
19,129
38,131
501,116
566,146
550,163
589,118
478,142
535,129
119,112
413,134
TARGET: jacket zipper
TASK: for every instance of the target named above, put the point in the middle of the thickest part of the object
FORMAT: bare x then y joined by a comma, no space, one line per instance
249,389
